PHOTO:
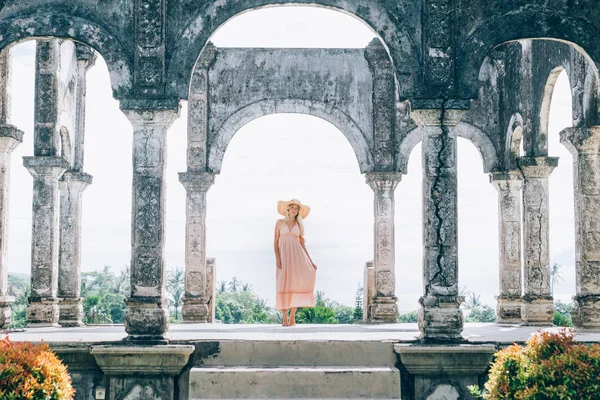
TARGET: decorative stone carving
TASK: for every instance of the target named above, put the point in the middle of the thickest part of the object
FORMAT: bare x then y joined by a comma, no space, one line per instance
71,185
537,307
438,45
150,46
146,317
584,145
196,298
384,99
509,187
86,58
46,101
43,303
440,317
10,138
142,372
384,308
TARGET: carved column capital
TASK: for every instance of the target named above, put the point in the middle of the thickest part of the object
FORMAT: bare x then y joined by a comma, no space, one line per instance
10,138
383,181
143,117
46,167
537,167
197,181
584,140
437,116
77,181
86,54
507,181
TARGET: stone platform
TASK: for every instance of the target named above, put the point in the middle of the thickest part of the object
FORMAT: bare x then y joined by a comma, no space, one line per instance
216,361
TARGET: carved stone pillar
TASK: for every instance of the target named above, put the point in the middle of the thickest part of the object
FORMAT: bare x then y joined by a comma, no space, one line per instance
10,138
196,298
368,291
440,316
211,279
86,58
43,303
71,185
537,307
509,185
384,308
584,144
147,317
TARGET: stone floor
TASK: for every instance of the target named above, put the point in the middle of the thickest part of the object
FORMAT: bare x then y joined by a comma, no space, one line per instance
474,333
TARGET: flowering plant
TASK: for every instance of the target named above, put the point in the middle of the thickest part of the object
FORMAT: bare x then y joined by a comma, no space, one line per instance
32,371
550,366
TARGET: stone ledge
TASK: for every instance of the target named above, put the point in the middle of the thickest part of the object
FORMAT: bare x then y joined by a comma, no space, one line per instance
146,360
462,359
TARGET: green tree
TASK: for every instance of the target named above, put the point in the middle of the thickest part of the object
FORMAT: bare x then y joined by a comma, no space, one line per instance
562,314
175,290
344,314
409,317
104,295
358,303
18,287
243,306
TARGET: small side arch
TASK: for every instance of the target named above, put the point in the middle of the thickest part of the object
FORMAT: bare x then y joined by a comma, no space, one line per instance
223,134
514,136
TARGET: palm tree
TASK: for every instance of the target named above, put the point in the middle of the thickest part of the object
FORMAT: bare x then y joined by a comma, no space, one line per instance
234,284
556,277
246,287
222,287
175,287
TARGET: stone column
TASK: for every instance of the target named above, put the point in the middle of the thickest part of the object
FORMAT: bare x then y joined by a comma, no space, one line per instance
584,144
71,185
440,316
147,317
196,298
537,307
10,138
211,278
368,290
509,185
86,58
43,303
384,308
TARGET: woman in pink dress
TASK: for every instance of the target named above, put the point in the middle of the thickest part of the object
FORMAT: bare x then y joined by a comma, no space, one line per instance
296,272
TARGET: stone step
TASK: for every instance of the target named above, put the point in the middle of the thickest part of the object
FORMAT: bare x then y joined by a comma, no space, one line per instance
294,383
296,353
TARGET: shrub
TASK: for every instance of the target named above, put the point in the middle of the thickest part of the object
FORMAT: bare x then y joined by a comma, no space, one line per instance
550,366
32,371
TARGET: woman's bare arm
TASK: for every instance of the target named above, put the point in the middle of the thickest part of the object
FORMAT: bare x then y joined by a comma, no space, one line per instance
276,244
301,239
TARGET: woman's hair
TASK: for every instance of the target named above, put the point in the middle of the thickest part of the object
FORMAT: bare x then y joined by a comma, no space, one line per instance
298,220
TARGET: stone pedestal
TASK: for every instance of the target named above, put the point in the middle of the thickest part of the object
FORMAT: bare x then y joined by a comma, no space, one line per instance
142,372
196,298
147,318
43,303
584,145
10,138
368,291
384,307
71,187
509,185
537,307
444,372
440,316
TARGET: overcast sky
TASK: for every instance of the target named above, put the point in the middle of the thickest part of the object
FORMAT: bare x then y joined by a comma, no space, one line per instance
279,157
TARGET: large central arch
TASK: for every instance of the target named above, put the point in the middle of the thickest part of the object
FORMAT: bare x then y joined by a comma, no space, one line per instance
295,106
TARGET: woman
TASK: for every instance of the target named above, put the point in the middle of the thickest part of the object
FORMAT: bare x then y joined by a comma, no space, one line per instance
296,272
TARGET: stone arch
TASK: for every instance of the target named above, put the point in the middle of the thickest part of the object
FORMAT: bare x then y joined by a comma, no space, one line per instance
50,22
535,24
194,38
482,142
547,100
241,117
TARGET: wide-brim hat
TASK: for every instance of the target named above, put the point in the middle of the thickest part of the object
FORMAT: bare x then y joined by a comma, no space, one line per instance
282,207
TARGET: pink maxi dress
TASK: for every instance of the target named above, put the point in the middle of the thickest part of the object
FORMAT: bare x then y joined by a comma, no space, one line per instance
296,278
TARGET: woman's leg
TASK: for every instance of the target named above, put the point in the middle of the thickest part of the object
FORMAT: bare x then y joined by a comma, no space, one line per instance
284,318
293,316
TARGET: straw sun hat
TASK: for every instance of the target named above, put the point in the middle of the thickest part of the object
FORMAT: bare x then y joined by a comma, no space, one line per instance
282,207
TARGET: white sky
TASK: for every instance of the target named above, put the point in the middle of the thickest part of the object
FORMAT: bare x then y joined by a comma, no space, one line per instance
280,157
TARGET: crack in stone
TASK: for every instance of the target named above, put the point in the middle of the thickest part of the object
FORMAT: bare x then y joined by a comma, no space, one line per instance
539,264
439,274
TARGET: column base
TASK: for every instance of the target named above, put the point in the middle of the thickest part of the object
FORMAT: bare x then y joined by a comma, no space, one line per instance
194,311
586,313
383,310
508,310
146,321
5,311
440,319
70,312
537,311
42,312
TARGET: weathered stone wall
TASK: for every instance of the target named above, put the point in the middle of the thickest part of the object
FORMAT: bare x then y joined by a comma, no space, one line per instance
244,84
